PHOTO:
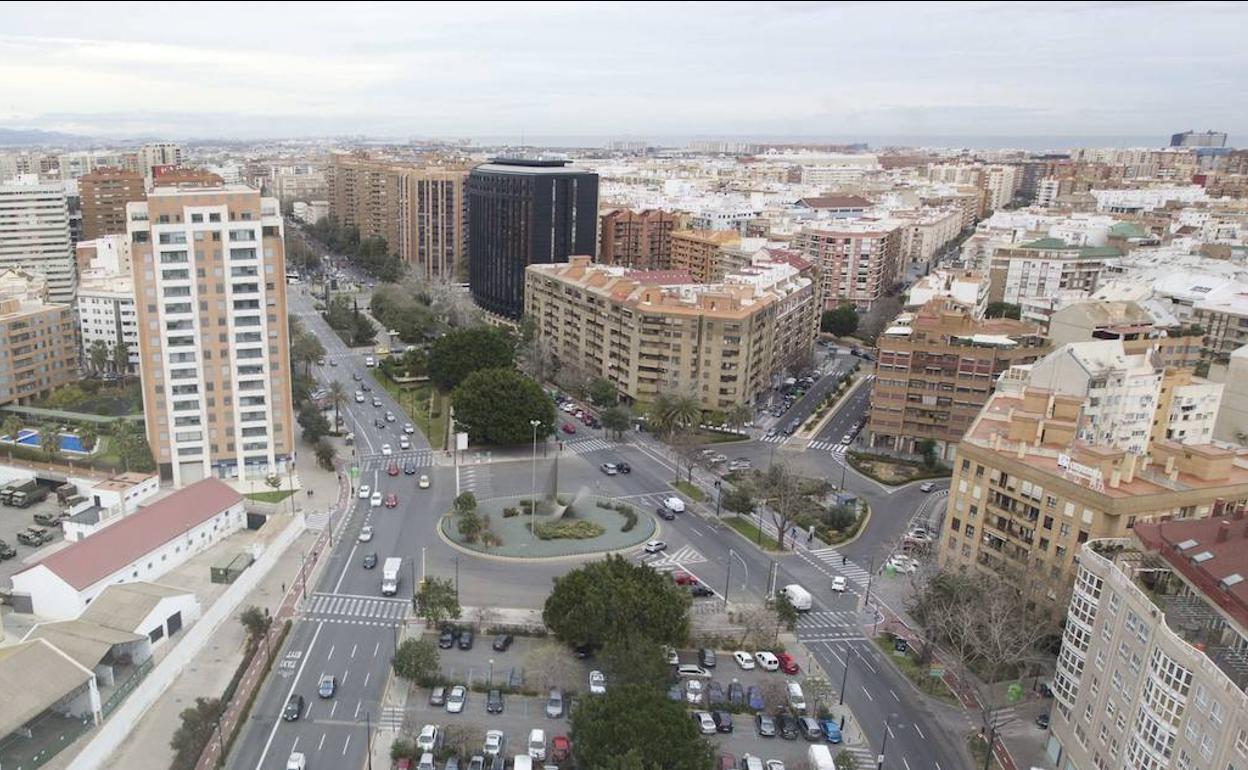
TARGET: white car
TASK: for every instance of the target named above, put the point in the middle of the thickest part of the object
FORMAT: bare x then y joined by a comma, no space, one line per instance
673,658
428,738
424,482
674,504
408,428
405,442
297,761
693,691
706,724
694,671
537,744
366,534
375,500
839,584
456,699
766,661
493,743
654,546
364,491
359,397
744,660
386,451
774,764
597,683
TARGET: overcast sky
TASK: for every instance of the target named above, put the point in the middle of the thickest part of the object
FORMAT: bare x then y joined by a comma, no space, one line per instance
844,69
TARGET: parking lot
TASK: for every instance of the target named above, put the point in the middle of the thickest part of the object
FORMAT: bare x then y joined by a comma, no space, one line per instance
14,520
542,663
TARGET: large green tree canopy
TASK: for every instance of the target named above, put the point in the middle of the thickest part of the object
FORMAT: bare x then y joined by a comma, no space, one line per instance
496,405
464,351
639,720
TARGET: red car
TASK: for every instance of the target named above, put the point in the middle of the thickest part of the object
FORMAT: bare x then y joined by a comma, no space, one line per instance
569,428
392,469
787,664
560,748
403,764
683,578
391,501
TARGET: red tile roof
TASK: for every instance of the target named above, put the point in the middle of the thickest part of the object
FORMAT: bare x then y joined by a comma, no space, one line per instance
99,555
1226,557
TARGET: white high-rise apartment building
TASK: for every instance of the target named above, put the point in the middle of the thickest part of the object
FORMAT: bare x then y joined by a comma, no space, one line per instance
158,154
209,281
34,233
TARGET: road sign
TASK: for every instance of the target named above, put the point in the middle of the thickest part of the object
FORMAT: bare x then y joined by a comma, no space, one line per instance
936,671
355,472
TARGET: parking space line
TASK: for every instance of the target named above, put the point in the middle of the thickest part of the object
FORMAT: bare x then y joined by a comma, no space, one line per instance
866,693
346,744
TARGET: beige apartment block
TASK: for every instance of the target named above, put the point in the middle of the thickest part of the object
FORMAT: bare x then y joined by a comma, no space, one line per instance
209,281
1026,493
1177,345
1154,660
104,194
655,332
637,239
857,261
936,368
420,211
697,252
38,346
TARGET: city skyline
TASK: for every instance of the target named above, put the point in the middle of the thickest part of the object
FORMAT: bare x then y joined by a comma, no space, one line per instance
922,71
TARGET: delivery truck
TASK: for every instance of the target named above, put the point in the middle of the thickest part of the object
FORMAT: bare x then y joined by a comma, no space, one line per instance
390,576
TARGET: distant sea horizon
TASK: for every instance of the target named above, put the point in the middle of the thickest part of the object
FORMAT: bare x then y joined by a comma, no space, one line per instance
1038,143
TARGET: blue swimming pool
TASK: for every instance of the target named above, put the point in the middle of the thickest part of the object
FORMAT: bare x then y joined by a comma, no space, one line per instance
70,442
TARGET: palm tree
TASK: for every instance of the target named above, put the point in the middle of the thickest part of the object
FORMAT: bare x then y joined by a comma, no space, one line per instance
337,397
89,434
661,414
119,431
98,354
686,412
738,415
121,359
50,442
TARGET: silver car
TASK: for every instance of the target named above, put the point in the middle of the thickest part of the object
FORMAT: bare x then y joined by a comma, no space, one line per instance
456,699
554,703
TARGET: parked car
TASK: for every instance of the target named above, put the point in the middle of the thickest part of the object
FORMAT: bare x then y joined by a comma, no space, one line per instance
754,698
766,661
705,722
597,683
765,725
744,660
694,691
437,696
723,721
554,703
494,702
446,640
429,738
706,656
736,693
714,693
831,730
560,748
688,670
370,560
810,728
796,698
537,744
493,745
465,639
1042,721
787,724
456,699
502,642
676,693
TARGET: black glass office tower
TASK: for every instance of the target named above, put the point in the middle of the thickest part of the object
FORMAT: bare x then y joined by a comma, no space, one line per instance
520,213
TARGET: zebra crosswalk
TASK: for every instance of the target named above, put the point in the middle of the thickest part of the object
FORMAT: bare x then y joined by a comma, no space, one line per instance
586,445
668,561
827,619
778,438
475,479
316,520
391,718
358,610
421,458
835,447
863,756
832,558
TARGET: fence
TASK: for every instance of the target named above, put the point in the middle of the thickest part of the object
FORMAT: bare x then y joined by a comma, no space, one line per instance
125,688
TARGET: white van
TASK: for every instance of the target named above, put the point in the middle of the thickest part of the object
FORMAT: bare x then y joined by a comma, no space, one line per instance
797,698
522,762
799,597
537,744
820,757
674,504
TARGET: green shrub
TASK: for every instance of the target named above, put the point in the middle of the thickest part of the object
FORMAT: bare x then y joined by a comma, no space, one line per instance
510,511
630,517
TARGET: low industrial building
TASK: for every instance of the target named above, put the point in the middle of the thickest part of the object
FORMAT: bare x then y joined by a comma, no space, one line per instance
142,546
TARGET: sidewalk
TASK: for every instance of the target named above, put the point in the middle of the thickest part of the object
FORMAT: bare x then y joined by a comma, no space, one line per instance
148,746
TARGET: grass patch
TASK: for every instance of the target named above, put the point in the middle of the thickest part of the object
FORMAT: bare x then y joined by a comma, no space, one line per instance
271,496
718,437
893,471
750,532
916,673
569,530
689,490
415,402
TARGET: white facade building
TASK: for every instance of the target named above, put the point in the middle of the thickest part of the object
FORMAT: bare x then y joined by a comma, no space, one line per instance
1129,201
158,154
35,236
967,288
140,547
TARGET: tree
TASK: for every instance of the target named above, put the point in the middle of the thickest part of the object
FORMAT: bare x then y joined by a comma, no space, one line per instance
121,359
99,355
633,658
616,420
470,525
50,442
927,448
465,502
600,601
535,355
782,490
1003,310
671,413
641,720
738,500
325,454
417,660
89,434
338,398
313,422
306,349
547,664
738,415
841,322
436,601
256,621
688,449
12,426
198,723
464,351
786,613
496,405
602,392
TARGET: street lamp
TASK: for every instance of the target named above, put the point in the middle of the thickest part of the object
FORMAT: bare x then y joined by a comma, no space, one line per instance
845,676
533,488
491,679
719,494
879,761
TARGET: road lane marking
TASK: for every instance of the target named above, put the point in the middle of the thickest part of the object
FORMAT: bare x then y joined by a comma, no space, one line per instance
864,692
346,566
904,762
321,745
890,731
330,656
353,649
332,709
367,676
376,648
920,732
295,683
894,693
357,709
345,674
346,744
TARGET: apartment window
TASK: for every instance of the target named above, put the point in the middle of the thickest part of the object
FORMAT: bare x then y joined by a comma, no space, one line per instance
1241,743
214,217
197,217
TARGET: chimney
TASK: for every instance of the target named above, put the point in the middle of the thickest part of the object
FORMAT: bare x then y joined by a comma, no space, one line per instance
1115,478
1224,531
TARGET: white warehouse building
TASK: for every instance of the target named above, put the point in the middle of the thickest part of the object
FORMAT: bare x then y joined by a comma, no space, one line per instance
140,547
